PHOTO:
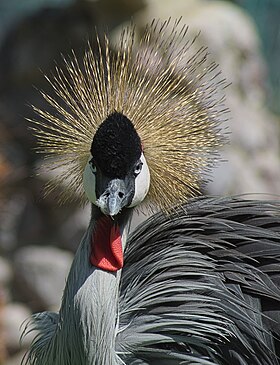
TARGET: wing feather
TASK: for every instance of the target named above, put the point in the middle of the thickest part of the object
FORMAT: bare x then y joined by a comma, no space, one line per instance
199,287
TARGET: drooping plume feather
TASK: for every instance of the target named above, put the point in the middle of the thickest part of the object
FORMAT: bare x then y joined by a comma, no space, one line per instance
164,85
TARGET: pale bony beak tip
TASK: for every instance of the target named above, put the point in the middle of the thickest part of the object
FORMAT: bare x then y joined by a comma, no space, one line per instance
114,206
113,199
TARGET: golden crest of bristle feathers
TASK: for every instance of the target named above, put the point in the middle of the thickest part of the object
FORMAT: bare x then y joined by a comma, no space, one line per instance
166,87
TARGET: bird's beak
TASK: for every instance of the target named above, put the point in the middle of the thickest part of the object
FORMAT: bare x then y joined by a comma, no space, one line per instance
114,198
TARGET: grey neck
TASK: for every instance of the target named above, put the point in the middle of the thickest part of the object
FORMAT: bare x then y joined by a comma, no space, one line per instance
89,310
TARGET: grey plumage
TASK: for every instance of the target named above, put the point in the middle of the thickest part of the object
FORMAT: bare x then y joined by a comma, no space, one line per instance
199,287
226,250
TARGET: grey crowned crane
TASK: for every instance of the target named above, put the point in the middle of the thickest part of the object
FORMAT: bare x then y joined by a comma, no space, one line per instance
199,281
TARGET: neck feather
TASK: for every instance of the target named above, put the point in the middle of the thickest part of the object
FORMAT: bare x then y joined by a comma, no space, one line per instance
89,311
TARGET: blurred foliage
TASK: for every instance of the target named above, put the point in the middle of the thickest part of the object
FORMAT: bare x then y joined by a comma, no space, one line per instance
266,14
12,11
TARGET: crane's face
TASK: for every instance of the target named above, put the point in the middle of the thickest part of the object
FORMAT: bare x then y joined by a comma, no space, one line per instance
111,194
116,175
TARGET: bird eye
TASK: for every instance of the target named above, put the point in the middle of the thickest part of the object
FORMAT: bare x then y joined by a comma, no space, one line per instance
92,165
138,168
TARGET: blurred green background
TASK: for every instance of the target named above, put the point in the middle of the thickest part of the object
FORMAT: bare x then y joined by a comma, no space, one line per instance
266,14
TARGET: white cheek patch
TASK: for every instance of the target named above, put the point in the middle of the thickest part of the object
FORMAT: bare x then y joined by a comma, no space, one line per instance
142,183
89,182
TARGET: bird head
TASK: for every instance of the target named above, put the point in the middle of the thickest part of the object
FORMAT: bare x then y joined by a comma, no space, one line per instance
116,175
134,123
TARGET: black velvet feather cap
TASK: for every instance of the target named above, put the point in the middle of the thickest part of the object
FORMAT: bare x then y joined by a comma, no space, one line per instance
116,146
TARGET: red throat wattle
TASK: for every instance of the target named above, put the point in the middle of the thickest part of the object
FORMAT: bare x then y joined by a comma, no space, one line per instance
106,245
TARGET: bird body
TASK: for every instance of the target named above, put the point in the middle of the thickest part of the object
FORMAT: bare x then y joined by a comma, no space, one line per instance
198,283
200,288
